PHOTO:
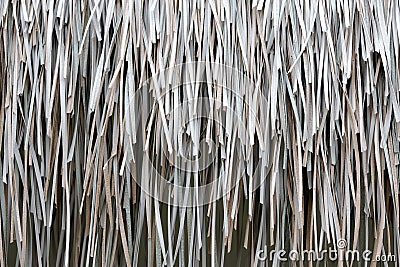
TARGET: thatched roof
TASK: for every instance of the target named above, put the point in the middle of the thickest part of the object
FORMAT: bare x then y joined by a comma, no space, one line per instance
197,132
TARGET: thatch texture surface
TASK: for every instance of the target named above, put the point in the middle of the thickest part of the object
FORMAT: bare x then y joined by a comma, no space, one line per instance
197,132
